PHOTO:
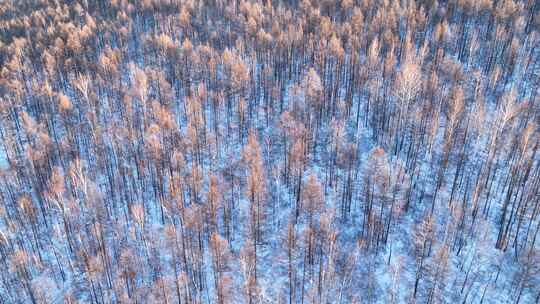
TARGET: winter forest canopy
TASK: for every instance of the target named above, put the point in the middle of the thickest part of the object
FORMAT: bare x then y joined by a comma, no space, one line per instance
218,151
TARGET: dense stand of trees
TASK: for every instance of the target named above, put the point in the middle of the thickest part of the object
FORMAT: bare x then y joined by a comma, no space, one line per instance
186,151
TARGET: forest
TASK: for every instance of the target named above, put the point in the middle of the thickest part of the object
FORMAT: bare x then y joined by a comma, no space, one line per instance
259,151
